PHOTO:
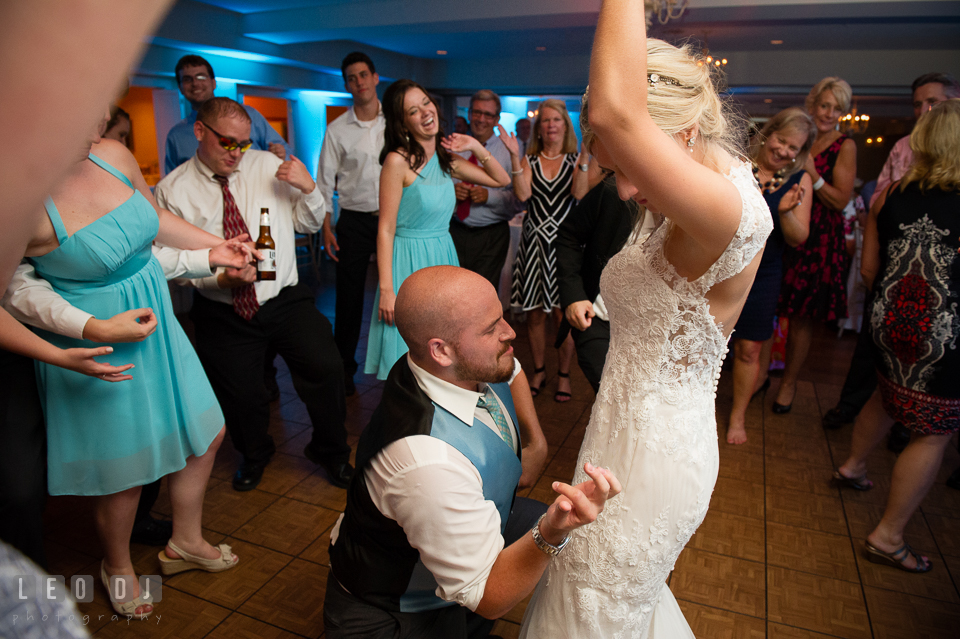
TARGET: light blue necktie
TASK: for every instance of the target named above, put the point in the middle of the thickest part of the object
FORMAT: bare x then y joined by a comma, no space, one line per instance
488,401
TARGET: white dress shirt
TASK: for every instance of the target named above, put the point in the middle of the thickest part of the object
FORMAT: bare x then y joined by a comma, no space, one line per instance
436,495
350,162
32,300
191,192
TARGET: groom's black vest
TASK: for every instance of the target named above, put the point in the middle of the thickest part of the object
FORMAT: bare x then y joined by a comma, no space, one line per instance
372,558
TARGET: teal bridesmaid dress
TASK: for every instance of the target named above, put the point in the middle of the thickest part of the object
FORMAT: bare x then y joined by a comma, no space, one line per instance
422,239
106,437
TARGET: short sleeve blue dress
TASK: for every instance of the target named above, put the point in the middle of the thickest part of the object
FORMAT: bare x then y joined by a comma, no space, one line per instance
422,239
104,438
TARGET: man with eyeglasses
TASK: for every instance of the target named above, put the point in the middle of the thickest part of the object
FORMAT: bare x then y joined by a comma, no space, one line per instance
350,162
221,190
197,83
480,224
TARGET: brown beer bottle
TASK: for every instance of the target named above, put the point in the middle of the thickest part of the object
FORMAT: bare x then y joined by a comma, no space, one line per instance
267,267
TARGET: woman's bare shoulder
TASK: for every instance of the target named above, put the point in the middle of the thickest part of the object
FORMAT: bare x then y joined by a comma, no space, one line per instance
118,156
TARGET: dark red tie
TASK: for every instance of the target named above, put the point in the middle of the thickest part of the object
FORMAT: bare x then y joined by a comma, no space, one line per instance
244,297
463,208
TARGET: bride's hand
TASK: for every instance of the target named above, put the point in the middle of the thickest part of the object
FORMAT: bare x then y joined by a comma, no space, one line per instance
578,505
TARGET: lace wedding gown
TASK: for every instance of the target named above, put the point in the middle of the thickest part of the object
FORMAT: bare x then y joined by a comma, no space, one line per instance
653,424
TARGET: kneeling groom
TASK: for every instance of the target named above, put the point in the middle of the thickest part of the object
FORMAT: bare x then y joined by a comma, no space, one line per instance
422,539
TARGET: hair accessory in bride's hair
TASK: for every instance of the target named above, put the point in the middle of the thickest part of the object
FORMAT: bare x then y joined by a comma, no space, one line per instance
654,78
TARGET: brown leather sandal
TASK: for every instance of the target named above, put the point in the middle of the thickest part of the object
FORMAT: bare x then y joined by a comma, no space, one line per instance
897,557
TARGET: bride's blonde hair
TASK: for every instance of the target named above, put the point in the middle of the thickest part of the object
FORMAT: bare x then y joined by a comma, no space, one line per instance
685,94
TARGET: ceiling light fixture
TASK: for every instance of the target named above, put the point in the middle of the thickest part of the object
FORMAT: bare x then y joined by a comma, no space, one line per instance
664,10
854,122
541,48
441,52
706,58
776,42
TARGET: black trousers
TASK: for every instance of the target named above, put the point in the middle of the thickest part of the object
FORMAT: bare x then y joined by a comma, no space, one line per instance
357,238
592,346
861,378
232,350
23,456
482,250
348,617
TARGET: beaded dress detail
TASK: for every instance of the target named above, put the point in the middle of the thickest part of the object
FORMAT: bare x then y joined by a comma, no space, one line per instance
653,424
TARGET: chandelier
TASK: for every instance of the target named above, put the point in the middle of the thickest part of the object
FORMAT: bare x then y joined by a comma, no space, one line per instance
854,122
664,10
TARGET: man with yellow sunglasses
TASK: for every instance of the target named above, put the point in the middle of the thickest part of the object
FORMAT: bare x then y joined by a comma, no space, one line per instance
238,320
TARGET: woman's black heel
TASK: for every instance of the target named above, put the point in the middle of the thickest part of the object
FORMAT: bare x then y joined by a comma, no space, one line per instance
562,396
535,390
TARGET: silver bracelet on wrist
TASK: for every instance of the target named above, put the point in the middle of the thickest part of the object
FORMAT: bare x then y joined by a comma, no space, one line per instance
819,183
516,172
543,544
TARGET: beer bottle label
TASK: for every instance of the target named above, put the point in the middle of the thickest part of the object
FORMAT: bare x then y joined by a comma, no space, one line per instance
269,262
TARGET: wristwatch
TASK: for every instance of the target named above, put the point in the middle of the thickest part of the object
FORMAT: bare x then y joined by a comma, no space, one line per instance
584,167
543,544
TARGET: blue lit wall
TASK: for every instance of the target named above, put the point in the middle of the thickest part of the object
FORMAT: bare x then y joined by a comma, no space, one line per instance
309,112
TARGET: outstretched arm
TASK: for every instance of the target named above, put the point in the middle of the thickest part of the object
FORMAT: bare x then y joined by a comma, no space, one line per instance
698,199
519,566
17,338
492,174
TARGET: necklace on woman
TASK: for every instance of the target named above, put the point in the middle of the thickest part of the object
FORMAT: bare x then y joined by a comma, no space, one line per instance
551,157
771,185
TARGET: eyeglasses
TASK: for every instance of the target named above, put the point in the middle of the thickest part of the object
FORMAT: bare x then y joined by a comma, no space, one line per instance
189,79
484,114
229,144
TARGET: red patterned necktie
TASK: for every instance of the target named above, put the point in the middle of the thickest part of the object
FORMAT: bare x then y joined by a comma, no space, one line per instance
244,297
463,208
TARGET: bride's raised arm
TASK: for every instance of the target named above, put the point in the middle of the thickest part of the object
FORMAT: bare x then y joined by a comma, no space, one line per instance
659,121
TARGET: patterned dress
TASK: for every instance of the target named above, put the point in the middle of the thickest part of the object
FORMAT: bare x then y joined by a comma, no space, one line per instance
653,425
535,271
914,315
815,272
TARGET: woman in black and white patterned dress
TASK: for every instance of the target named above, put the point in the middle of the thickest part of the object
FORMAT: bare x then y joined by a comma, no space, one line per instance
550,177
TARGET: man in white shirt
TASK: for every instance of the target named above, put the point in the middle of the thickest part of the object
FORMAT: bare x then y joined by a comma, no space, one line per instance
222,190
431,529
480,225
350,163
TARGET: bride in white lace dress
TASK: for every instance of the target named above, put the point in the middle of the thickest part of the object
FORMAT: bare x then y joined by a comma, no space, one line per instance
658,124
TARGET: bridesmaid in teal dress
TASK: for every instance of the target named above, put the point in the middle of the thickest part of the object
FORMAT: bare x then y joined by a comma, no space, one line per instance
416,203
107,440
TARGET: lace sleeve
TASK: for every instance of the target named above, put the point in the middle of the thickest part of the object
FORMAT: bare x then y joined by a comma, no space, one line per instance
756,224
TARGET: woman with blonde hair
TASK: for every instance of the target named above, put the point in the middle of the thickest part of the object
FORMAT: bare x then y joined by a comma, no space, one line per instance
778,152
815,272
910,261
550,177
660,126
